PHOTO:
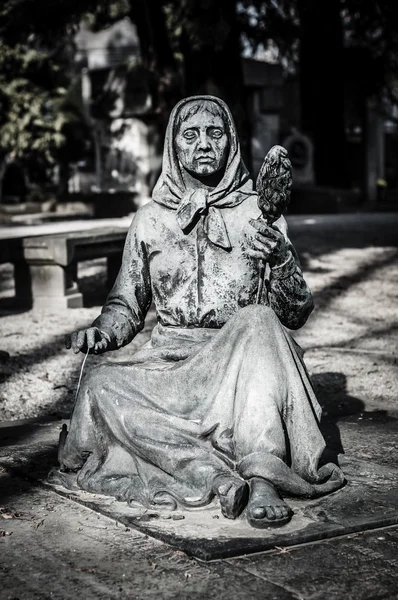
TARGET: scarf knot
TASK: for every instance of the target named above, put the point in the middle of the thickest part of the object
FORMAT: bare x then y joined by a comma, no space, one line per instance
196,203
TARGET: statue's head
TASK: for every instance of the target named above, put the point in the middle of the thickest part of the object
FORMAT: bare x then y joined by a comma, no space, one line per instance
201,140
201,149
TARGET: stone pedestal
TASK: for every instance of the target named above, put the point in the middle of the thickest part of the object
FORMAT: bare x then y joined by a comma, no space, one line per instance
47,286
54,286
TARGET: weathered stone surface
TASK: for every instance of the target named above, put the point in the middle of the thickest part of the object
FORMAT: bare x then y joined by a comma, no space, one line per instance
59,549
369,500
362,566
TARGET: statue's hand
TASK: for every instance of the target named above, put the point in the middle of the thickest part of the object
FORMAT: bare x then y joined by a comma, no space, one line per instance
92,339
269,244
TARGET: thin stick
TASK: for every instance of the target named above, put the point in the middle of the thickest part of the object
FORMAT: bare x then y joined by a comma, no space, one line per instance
80,379
260,282
64,431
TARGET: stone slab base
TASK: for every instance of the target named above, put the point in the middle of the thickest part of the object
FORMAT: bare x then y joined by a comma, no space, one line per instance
368,501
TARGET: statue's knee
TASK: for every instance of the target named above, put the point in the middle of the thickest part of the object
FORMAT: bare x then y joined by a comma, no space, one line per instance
96,378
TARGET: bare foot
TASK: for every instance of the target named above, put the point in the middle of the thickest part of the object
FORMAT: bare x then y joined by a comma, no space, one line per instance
265,507
232,493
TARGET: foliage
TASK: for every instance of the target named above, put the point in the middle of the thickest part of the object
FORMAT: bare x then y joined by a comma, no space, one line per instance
201,21
374,26
30,87
365,24
271,21
39,125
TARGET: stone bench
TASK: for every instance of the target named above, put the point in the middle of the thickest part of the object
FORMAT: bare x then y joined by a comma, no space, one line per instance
45,267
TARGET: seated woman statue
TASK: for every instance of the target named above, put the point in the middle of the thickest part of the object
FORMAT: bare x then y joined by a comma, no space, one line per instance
218,403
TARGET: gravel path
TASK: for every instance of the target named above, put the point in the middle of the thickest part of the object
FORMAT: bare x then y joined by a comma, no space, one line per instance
351,264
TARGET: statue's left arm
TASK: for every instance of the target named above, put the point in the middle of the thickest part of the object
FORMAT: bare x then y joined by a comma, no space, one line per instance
289,296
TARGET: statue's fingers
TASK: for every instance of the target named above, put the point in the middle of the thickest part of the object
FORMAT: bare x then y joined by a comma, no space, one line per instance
255,254
259,225
90,334
265,239
267,246
261,235
100,346
264,229
81,340
73,339
273,233
260,245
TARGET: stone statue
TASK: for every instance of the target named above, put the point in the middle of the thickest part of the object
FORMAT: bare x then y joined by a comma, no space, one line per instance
218,403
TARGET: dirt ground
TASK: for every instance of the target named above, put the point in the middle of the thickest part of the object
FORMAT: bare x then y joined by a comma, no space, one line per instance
350,341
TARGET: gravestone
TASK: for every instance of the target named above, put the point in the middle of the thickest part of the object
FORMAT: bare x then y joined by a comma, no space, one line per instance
301,151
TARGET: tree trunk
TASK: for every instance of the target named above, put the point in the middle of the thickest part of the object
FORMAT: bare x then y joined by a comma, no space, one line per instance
149,19
212,59
322,88
157,55
3,168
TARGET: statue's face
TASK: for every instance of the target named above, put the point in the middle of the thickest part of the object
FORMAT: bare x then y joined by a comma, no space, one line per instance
202,143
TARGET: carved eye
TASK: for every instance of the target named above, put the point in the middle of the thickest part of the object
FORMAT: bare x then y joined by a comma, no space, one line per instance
217,133
189,134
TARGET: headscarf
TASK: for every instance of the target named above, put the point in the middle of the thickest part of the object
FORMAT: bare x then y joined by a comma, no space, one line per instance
172,190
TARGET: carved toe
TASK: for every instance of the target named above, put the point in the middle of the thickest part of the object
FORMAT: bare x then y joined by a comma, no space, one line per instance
233,495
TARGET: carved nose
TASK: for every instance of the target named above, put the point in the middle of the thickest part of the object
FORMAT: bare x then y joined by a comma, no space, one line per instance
204,142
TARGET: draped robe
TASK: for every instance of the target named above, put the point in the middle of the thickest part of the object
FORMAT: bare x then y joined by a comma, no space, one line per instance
221,386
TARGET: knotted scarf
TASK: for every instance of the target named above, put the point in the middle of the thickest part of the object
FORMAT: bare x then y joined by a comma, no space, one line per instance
176,190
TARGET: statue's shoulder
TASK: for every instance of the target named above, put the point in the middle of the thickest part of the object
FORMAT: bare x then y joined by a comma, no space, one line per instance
148,221
146,214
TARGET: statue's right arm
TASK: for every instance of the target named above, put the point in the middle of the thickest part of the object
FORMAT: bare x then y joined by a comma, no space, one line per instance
124,312
125,309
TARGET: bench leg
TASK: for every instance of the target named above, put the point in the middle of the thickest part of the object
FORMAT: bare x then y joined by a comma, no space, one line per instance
47,286
23,285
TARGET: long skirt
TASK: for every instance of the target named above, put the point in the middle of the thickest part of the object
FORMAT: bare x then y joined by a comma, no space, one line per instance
195,403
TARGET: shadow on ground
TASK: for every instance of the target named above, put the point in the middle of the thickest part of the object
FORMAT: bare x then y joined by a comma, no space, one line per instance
316,235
